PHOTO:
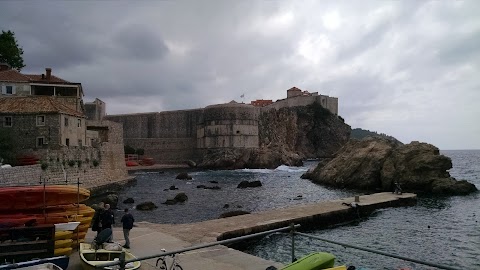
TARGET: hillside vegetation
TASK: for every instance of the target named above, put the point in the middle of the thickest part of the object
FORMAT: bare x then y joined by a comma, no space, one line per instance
358,133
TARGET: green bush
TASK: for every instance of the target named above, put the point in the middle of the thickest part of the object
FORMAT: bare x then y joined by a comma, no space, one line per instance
95,163
129,150
140,151
71,163
44,165
79,163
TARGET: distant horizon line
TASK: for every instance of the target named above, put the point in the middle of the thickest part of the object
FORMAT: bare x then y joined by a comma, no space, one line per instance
460,149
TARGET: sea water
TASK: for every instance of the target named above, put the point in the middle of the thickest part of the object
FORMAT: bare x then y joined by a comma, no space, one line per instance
443,230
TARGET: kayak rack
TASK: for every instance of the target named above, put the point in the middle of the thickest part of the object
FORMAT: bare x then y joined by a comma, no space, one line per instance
122,262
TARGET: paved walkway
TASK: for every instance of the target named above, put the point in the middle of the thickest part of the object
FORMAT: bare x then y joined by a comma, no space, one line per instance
145,241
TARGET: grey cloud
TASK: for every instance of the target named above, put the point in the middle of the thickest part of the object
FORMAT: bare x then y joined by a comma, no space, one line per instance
119,51
461,49
139,43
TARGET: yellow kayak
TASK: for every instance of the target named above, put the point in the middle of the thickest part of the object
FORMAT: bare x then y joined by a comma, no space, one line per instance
80,235
64,243
60,235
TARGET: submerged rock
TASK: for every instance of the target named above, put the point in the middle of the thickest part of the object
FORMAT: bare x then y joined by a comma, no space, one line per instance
183,176
128,200
146,206
247,184
377,163
179,198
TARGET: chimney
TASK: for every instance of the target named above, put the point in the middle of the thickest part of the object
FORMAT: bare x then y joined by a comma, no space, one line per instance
49,73
4,66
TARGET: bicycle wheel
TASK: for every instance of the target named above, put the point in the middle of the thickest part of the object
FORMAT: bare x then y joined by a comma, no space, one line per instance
163,265
178,267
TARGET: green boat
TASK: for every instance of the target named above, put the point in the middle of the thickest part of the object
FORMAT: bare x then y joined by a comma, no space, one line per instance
314,261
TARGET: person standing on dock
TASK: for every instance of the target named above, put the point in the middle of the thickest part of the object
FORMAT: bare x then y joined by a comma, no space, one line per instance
96,220
107,219
127,222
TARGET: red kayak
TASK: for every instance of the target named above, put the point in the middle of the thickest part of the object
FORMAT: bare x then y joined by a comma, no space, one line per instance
33,197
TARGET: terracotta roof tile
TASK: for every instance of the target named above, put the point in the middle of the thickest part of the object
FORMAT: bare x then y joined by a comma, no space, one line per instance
35,104
53,79
13,76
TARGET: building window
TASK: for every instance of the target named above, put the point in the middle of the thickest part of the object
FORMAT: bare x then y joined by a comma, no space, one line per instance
66,121
40,141
80,143
67,142
9,90
79,124
40,120
7,121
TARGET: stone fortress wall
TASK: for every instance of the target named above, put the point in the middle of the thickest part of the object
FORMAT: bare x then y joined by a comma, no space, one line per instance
177,136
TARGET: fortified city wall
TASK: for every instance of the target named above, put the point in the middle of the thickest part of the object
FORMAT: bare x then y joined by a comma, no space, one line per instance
177,136
168,137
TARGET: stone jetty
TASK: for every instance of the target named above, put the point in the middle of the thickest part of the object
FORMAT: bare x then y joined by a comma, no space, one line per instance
147,238
315,215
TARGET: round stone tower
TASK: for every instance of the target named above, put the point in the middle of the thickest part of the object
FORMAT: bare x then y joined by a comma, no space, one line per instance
231,125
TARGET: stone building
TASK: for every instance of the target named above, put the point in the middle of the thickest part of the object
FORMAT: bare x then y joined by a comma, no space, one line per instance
95,110
14,83
47,119
40,122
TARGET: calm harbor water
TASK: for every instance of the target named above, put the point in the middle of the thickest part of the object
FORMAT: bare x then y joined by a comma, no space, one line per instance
444,230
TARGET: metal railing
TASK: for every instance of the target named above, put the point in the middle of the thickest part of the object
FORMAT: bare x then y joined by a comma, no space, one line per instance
122,262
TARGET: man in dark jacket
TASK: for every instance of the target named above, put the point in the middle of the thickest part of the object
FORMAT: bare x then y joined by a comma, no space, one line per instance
96,222
107,219
127,222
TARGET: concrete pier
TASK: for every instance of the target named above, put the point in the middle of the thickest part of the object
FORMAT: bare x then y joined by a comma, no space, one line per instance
316,215
148,238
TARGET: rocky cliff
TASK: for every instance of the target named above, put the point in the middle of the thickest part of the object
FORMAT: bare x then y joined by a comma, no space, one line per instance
286,136
377,163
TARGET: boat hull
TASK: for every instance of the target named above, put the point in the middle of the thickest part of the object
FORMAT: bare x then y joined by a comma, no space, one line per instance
91,258
61,261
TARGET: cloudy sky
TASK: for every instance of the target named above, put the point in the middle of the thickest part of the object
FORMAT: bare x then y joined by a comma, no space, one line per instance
410,69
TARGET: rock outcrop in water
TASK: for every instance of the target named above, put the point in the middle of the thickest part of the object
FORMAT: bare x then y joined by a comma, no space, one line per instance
286,137
377,163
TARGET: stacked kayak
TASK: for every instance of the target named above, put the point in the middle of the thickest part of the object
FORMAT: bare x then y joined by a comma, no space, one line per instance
55,204
34,197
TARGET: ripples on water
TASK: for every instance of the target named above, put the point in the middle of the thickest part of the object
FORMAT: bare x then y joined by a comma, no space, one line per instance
453,237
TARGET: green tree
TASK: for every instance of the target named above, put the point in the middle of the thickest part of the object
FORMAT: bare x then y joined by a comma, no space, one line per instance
10,52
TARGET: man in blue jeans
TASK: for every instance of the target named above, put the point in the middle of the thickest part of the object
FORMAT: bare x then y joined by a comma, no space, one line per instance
127,222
